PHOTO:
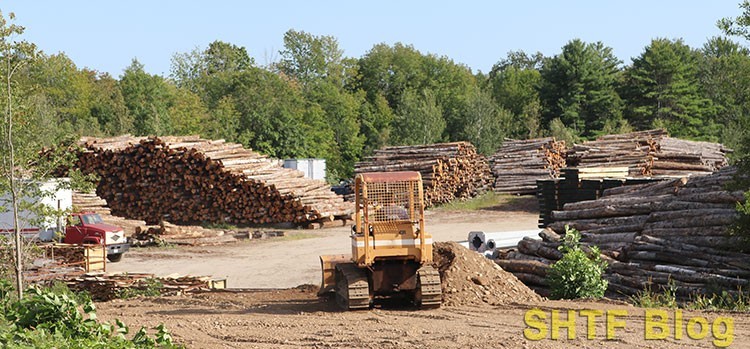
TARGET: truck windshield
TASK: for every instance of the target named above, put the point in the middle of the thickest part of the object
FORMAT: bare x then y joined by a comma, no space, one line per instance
92,219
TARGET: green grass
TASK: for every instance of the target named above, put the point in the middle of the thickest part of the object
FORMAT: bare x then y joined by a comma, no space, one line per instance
486,200
739,301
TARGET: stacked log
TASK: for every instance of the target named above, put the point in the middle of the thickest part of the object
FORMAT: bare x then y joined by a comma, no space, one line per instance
449,170
519,163
108,287
188,179
650,153
666,234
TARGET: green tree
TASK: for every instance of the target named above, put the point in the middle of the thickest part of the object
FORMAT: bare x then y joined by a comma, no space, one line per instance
14,55
579,87
222,57
725,80
514,84
400,74
662,89
307,58
738,26
64,92
25,129
418,120
486,123
187,115
108,105
147,98
316,63
187,69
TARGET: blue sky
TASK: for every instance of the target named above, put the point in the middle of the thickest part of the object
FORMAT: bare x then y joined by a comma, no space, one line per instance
107,35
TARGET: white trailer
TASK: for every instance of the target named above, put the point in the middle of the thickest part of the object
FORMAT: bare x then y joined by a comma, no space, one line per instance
50,195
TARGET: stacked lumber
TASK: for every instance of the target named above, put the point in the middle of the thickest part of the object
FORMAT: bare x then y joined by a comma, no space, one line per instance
189,179
90,202
519,163
449,170
581,184
650,153
668,232
104,287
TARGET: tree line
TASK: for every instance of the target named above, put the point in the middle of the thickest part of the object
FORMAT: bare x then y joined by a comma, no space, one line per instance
317,102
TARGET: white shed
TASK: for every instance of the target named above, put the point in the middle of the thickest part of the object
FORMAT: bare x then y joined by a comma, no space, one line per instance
312,168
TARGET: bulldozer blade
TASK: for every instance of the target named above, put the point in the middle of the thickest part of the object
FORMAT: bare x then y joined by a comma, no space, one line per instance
328,269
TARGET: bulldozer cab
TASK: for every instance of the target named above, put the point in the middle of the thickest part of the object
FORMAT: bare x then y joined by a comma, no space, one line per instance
389,218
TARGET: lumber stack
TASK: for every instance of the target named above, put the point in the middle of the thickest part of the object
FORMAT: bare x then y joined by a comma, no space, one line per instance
650,153
519,163
103,287
665,232
449,170
188,179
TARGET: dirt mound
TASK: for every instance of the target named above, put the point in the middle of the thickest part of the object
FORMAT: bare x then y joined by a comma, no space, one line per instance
470,278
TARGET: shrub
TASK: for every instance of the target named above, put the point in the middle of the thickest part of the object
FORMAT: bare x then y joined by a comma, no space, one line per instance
54,318
577,274
650,299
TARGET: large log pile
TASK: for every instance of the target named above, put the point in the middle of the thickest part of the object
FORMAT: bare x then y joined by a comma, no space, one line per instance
650,153
666,232
189,179
519,163
449,170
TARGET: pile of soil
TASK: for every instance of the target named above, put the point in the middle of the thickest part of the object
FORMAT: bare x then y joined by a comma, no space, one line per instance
470,278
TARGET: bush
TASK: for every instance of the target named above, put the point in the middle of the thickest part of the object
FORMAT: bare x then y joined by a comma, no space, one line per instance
54,318
577,274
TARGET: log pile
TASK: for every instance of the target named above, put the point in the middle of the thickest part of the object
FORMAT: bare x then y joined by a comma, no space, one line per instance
650,153
519,163
188,179
449,170
107,287
669,232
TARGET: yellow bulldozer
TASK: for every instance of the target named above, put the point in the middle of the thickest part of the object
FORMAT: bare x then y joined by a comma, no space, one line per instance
391,251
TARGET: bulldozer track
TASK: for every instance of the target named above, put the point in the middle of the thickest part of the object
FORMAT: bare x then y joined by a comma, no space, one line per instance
429,293
352,288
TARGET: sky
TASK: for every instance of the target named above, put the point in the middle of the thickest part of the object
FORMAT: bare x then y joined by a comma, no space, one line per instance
107,35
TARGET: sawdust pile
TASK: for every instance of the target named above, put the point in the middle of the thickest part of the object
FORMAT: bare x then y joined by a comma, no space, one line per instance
470,278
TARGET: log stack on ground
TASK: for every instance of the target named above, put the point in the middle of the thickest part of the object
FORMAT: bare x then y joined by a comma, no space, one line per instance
518,164
188,179
669,232
650,153
449,170
103,287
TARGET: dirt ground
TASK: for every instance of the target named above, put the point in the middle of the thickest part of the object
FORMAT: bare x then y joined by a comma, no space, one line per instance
297,318
293,260
285,315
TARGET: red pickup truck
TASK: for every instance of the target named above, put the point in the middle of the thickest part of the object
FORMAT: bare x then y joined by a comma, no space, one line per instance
88,228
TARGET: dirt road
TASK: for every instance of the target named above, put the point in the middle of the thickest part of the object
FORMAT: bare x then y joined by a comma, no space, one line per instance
296,318
293,260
